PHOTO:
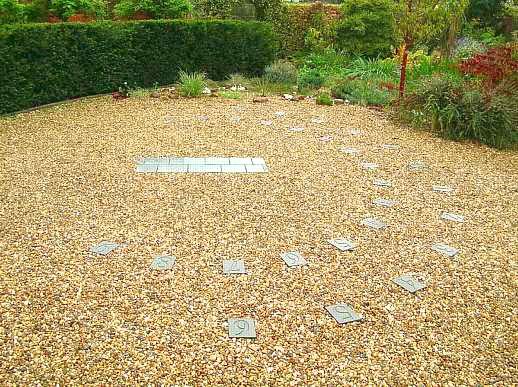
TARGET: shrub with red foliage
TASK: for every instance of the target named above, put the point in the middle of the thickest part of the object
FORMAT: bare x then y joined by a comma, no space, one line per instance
493,65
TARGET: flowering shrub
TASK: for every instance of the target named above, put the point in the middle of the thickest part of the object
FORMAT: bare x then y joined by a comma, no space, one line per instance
492,66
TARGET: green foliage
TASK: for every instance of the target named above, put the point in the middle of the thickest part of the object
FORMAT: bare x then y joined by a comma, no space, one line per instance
43,63
66,8
12,11
458,110
281,71
488,12
157,9
373,69
324,98
191,84
367,28
362,92
305,26
238,80
230,94
310,78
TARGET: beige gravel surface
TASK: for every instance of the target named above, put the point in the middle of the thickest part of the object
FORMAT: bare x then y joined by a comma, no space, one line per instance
68,181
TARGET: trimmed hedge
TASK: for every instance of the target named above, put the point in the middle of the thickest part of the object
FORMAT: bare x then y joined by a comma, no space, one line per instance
44,63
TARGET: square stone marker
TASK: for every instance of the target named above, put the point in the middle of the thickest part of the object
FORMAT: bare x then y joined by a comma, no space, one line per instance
452,217
168,119
350,151
202,118
258,160
233,168
298,129
194,160
382,183
416,165
411,282
104,248
317,120
266,122
243,328
373,223
204,168
163,262
369,166
441,248
146,168
280,114
390,146
442,188
172,168
384,202
236,120
355,132
342,244
259,168
343,313
293,259
234,267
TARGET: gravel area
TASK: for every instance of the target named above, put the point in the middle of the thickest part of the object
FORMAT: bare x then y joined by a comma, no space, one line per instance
69,316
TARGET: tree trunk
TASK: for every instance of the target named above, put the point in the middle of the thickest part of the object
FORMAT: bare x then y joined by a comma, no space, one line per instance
402,77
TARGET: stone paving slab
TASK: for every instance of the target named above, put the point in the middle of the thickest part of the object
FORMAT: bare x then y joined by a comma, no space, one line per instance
164,164
374,223
342,244
163,262
293,259
234,267
104,248
453,217
444,249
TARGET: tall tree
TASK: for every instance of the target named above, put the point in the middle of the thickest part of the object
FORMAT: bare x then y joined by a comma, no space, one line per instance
419,19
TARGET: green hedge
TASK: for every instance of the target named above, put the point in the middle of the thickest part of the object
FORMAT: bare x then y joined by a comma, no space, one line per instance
44,63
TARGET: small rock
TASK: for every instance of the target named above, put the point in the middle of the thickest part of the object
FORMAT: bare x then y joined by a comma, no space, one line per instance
289,97
338,101
207,91
260,99
155,94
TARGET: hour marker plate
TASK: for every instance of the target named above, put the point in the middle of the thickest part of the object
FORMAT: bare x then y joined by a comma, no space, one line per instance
104,248
384,202
243,328
411,282
163,262
342,244
441,248
373,223
453,217
234,267
370,166
382,183
442,188
293,259
343,313
350,151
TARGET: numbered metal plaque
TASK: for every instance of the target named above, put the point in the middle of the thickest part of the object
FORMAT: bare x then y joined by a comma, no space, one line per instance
104,248
202,118
411,282
293,259
317,120
342,244
280,114
442,188
382,183
441,248
243,328
373,223
296,129
384,202
266,122
390,146
355,132
350,151
343,313
369,166
163,262
234,267
452,217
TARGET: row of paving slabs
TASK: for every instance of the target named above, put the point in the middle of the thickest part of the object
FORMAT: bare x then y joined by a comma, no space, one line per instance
341,312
